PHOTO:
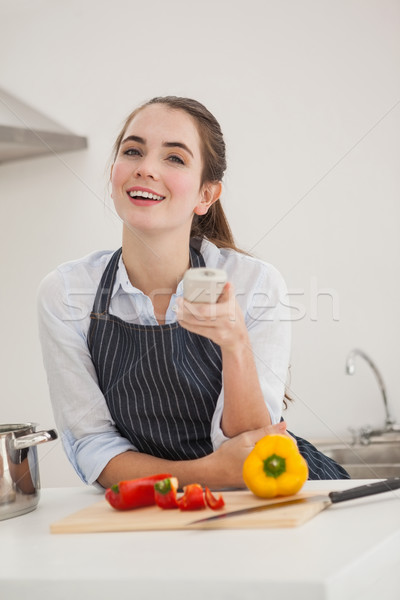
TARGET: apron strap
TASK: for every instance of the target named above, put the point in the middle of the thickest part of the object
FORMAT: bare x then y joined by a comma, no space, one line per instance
104,291
196,258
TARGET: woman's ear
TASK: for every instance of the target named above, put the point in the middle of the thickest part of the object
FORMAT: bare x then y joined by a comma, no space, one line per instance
210,193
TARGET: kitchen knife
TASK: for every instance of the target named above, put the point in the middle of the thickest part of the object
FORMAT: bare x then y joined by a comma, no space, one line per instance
369,489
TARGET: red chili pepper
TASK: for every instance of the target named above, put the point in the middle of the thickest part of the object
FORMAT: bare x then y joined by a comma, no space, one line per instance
193,497
212,501
165,493
133,493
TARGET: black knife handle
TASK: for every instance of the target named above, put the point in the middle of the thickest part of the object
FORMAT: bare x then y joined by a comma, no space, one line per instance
393,483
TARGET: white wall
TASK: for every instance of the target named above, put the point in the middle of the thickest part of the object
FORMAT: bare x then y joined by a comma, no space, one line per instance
306,93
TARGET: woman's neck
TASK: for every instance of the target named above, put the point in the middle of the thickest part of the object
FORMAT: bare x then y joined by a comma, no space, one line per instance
155,264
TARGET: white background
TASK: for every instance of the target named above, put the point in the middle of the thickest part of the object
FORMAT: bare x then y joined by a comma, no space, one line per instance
308,95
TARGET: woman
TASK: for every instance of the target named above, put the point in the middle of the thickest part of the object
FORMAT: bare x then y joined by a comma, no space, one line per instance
142,381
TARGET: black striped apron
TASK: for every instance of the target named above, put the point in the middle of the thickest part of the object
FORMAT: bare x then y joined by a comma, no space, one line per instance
161,383
319,465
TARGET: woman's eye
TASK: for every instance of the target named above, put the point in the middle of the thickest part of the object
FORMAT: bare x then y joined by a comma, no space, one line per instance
177,159
132,152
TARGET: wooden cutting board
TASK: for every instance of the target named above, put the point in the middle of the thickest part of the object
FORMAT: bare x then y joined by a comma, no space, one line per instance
101,517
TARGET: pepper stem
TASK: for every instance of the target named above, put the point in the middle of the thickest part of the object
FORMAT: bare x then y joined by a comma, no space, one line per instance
163,486
274,466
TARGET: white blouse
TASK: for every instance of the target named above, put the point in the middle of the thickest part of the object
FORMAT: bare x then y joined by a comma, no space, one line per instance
65,301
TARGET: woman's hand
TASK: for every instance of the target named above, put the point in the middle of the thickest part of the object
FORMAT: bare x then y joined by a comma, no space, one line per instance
229,458
223,468
223,322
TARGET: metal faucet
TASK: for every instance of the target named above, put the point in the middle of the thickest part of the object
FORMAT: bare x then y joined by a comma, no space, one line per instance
390,424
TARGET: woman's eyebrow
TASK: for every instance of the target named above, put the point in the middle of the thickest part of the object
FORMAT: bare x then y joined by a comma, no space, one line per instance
178,145
140,140
133,138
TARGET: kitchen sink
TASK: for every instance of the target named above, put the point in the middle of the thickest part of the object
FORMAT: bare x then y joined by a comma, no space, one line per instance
371,461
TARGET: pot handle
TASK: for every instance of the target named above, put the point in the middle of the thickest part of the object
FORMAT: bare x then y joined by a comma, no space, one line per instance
33,439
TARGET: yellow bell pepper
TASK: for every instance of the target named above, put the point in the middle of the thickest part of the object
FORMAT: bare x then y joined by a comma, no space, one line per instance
275,467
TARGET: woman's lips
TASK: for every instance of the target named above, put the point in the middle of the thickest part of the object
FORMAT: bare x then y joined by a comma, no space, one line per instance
144,196
137,201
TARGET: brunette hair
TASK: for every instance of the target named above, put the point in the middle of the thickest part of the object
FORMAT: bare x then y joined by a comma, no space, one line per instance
213,225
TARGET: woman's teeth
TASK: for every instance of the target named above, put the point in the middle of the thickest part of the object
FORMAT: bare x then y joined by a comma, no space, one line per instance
149,195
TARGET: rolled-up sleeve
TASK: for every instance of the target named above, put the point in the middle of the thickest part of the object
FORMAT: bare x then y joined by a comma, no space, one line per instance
86,428
268,321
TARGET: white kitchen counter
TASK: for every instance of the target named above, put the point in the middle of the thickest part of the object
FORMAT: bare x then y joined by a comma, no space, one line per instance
349,551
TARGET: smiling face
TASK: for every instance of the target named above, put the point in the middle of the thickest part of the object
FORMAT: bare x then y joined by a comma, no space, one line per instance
156,176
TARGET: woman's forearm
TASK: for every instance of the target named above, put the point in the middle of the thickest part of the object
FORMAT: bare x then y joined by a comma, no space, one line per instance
131,465
221,469
244,405
224,323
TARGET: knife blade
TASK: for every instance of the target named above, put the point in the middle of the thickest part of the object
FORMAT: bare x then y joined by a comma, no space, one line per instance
369,489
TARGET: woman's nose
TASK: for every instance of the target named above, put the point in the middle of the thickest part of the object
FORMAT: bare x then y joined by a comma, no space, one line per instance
146,168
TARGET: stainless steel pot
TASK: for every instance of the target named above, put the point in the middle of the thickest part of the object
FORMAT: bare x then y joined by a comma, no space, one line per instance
19,467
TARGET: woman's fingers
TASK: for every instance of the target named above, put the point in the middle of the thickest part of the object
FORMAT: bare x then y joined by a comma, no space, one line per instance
228,294
231,454
277,429
252,437
256,435
221,322
204,312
